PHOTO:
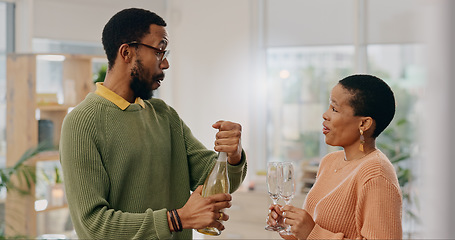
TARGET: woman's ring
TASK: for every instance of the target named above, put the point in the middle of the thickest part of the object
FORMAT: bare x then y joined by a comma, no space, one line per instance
221,216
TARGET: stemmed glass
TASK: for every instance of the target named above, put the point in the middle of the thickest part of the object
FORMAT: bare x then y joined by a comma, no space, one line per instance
287,187
273,179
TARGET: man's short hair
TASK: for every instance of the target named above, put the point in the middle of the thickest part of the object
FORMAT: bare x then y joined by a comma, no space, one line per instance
126,26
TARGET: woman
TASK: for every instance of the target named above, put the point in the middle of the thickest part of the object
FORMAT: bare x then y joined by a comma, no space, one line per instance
356,193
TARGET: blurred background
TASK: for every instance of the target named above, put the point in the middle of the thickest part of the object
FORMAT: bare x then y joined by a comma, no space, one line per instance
266,64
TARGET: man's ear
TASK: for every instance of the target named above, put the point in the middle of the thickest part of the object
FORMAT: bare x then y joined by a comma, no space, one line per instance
126,53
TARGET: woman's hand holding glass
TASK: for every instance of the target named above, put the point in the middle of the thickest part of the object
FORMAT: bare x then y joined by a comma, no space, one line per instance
273,181
300,222
275,216
280,184
287,189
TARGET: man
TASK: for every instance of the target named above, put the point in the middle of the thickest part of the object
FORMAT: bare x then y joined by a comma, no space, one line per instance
128,159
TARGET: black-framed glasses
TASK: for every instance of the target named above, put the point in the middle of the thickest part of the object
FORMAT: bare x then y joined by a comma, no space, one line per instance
160,54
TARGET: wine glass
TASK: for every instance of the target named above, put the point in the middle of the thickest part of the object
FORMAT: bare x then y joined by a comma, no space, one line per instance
287,187
273,175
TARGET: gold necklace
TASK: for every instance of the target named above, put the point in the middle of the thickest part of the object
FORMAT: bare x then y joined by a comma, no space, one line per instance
349,161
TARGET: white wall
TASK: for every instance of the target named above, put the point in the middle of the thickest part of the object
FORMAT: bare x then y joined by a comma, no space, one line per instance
81,20
211,65
209,62
69,20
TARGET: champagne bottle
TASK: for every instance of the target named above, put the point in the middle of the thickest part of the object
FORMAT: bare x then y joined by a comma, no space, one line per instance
216,182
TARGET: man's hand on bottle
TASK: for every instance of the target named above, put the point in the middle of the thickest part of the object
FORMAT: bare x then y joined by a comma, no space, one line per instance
228,140
200,212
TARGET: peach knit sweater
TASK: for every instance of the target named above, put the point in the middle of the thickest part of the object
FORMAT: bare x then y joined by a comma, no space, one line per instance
360,200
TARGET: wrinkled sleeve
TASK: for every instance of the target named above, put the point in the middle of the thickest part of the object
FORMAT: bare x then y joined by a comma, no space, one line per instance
87,189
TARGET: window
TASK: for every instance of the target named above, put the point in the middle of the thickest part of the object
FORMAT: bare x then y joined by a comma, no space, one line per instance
299,82
402,67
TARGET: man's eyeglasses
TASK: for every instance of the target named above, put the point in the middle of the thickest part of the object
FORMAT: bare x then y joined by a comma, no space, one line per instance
160,54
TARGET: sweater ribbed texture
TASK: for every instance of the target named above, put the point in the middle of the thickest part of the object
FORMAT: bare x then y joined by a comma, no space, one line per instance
362,200
124,169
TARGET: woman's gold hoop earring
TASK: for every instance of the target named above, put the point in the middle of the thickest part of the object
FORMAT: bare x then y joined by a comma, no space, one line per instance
362,140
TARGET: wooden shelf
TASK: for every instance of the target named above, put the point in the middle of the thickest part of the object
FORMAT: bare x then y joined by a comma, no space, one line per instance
46,156
309,172
53,208
309,180
305,190
54,107
23,128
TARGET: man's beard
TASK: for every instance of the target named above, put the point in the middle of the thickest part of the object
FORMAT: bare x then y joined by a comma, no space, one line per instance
139,84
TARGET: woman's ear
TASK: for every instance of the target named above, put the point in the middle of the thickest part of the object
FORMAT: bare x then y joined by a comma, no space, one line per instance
366,123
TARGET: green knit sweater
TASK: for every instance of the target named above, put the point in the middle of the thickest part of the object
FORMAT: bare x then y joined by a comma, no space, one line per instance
124,169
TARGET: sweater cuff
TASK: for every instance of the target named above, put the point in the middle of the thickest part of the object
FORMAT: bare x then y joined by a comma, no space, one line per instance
161,223
320,233
238,167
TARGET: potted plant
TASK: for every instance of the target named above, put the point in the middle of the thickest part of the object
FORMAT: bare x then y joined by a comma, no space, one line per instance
25,175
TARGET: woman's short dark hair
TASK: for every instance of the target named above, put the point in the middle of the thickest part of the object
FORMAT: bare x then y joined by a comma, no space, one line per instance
371,97
126,26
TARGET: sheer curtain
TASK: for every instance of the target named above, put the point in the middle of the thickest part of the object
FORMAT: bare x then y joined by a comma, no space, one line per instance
438,163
